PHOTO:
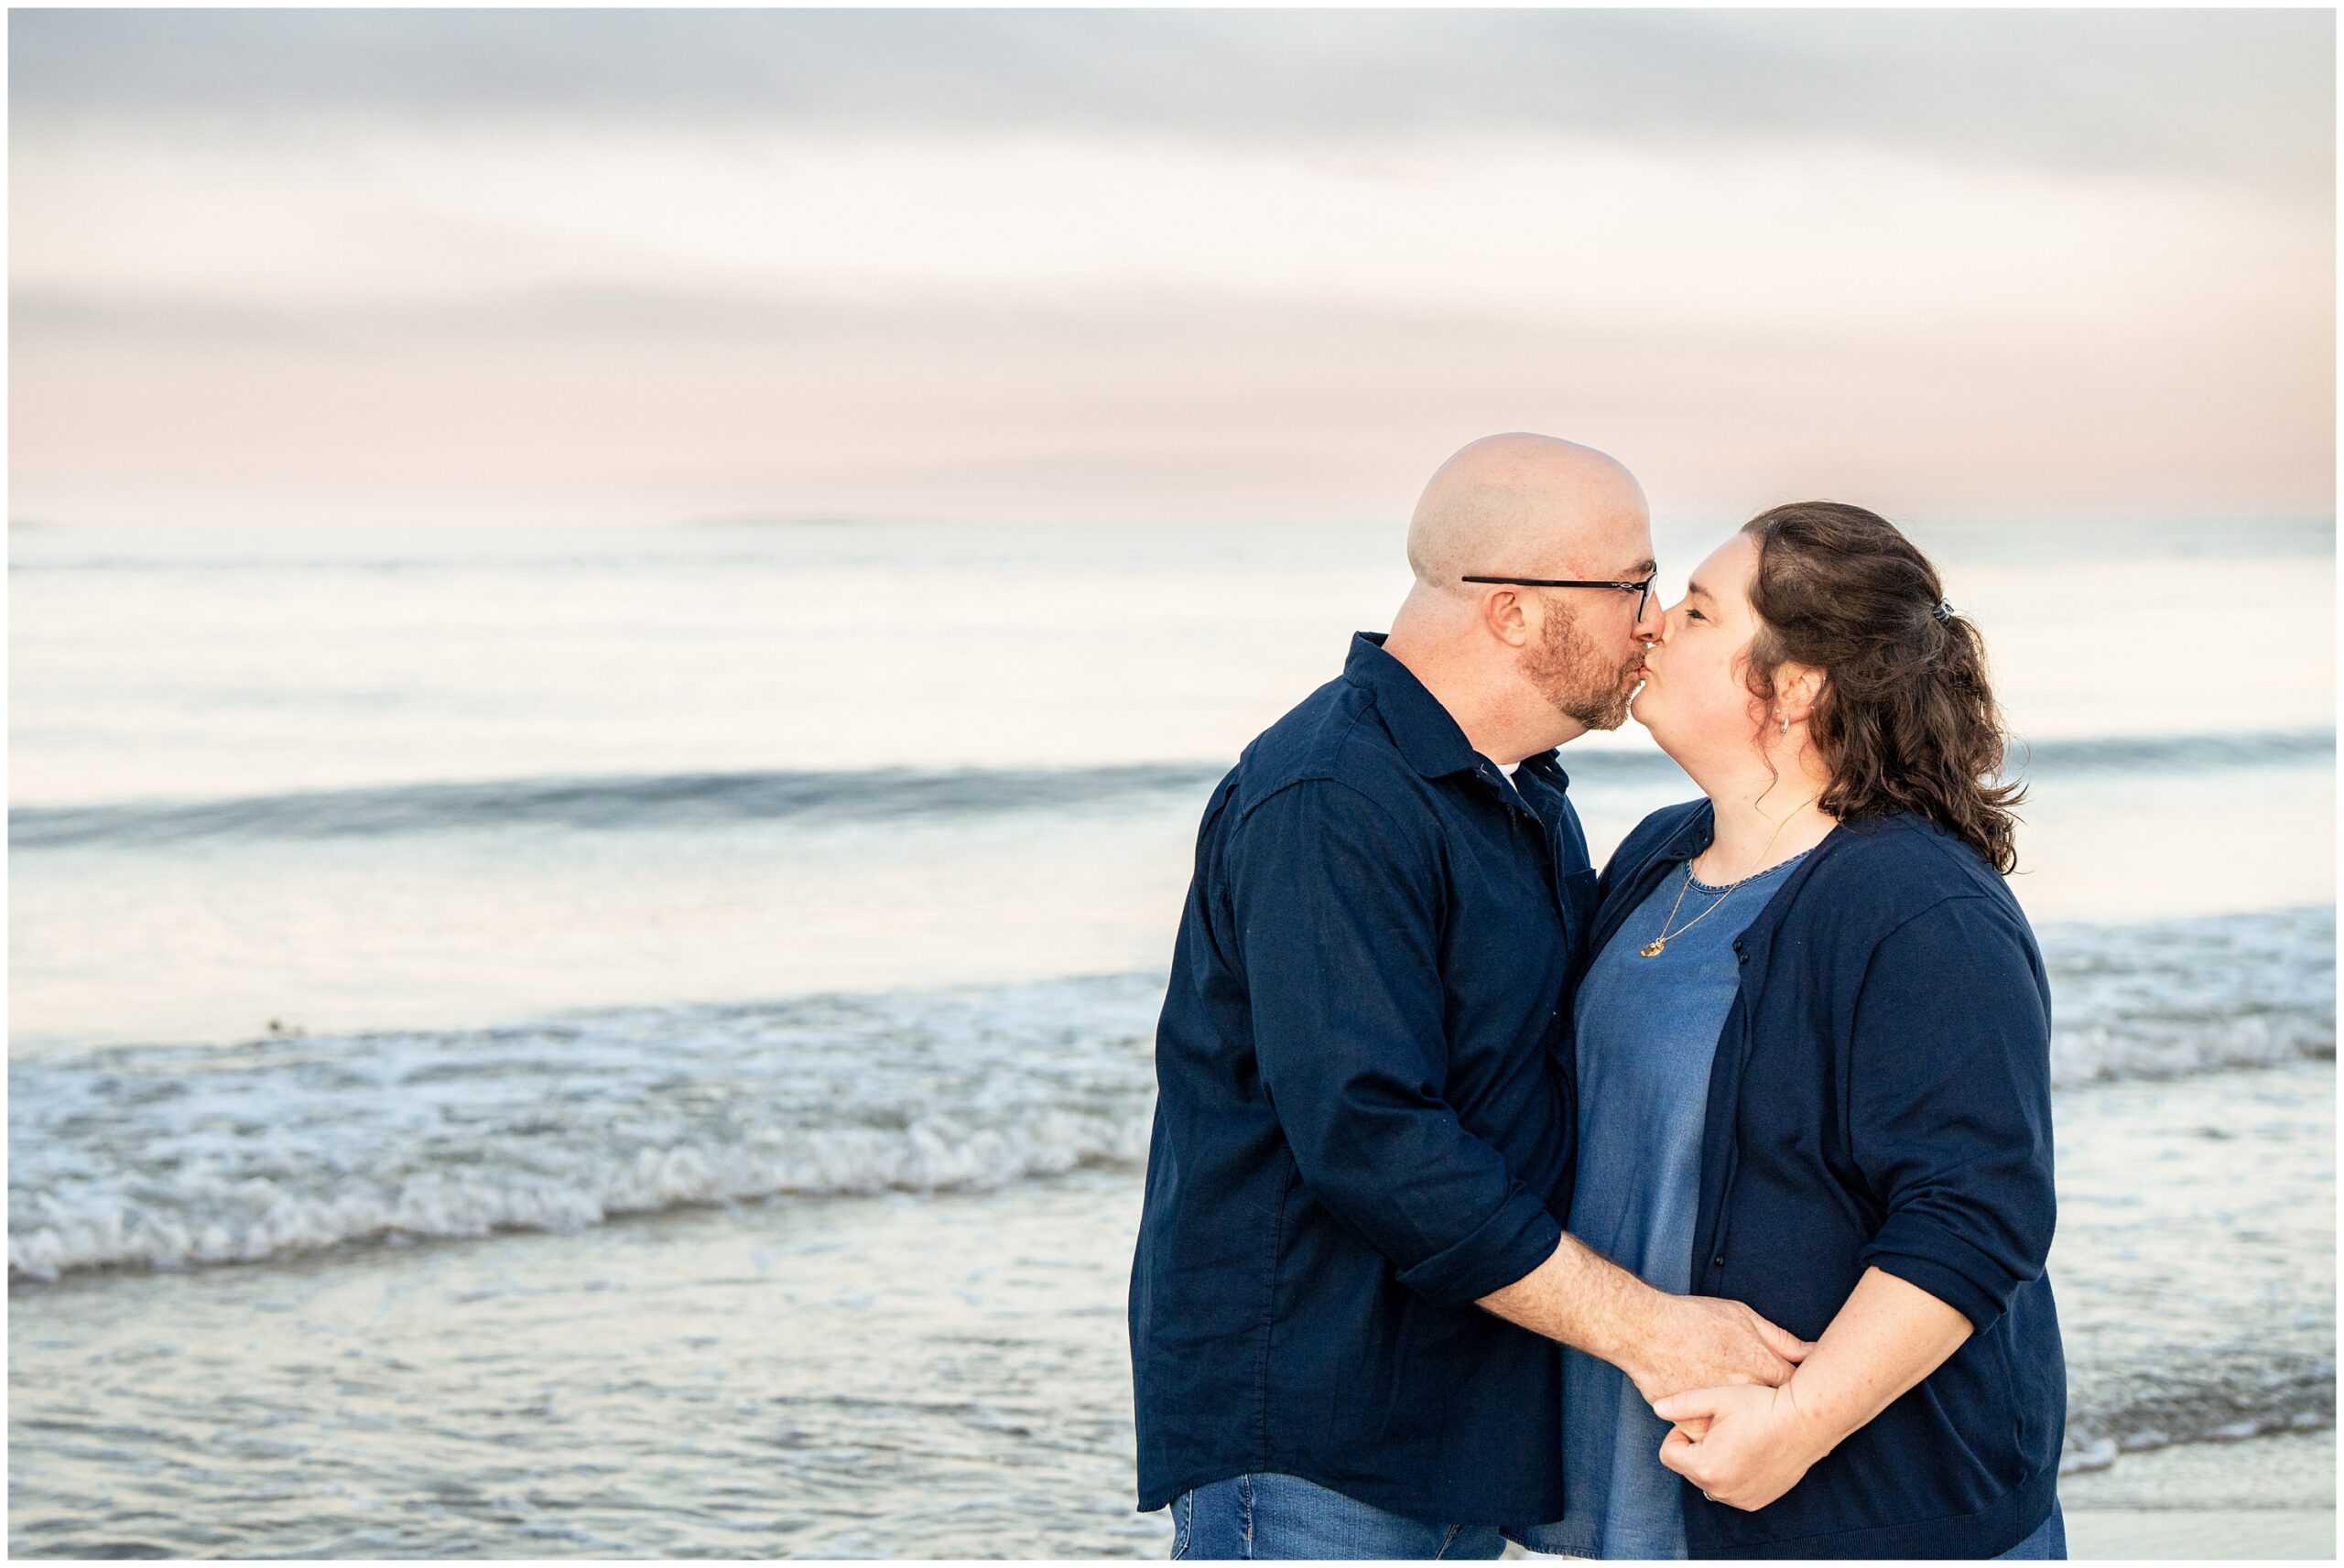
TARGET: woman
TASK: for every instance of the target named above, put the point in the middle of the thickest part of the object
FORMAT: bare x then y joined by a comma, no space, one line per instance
1812,1053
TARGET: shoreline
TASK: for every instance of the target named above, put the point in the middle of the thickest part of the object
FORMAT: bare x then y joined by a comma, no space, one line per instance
2269,1497
888,1374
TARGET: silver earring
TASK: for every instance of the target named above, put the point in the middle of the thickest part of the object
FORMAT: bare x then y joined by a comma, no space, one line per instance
1786,728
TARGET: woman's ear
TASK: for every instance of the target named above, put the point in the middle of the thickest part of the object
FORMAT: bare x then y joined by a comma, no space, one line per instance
1797,689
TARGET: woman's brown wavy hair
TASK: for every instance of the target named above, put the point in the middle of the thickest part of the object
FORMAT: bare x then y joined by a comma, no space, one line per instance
1906,719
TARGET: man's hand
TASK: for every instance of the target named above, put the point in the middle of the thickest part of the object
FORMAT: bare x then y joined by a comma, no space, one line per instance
1742,1446
1701,1342
1666,1345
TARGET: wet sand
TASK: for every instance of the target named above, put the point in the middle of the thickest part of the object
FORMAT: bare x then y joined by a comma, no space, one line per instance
2259,1497
2265,1497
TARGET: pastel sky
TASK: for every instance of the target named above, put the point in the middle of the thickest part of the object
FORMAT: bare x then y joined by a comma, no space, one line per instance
1161,266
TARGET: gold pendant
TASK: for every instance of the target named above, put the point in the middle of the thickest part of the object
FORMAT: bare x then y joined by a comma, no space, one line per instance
1652,948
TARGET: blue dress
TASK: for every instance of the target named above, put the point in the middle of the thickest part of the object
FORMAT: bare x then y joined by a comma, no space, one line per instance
1647,1030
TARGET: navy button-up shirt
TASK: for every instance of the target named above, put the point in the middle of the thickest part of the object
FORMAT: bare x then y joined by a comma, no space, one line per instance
1362,1122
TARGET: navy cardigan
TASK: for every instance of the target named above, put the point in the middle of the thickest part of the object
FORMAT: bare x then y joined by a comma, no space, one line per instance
1882,1096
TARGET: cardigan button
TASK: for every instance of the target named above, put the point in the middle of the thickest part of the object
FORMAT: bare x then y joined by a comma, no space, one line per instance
1718,1261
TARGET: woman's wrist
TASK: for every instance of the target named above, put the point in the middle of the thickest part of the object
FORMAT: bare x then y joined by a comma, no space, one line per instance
1808,1415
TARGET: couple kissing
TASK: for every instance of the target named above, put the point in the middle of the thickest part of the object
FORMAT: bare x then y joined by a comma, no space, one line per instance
1697,1206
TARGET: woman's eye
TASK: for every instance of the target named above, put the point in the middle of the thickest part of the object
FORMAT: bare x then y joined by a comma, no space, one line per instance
1695,615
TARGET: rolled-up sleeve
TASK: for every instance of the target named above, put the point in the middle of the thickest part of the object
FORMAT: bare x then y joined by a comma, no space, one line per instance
1338,907
1949,1106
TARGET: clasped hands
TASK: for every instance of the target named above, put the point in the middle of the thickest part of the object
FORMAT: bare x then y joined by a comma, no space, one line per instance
1723,1374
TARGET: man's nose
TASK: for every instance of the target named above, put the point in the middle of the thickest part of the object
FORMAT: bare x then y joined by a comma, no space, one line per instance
1652,621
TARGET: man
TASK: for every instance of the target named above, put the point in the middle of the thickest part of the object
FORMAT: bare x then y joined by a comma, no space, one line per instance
1350,1280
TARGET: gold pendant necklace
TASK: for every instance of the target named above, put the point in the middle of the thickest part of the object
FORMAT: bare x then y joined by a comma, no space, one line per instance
1653,948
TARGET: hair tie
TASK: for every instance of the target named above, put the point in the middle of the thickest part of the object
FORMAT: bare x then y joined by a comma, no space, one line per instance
1944,611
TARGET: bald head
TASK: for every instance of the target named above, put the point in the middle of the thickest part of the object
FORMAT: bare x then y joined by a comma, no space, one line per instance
1524,505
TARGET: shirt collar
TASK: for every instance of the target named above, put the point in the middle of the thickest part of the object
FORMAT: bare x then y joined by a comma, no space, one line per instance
1432,741
1544,766
1428,737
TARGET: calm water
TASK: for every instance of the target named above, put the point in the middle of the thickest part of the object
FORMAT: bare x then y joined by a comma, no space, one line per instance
638,1041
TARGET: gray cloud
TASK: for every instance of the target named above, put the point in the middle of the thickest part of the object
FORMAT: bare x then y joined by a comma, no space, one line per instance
2245,97
657,315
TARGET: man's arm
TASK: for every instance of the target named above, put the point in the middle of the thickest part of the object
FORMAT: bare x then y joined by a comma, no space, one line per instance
1664,1344
1338,905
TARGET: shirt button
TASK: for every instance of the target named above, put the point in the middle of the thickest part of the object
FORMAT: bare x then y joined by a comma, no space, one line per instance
1718,1261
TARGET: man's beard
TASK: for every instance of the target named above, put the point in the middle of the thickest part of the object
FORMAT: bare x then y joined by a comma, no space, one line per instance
1569,672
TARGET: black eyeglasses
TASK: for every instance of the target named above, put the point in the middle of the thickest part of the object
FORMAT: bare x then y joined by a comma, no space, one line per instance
1642,590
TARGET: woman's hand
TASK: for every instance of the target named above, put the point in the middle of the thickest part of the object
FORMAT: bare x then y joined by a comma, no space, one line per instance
1742,1445
1746,1445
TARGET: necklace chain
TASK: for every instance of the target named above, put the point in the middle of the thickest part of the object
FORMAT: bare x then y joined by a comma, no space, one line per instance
1653,948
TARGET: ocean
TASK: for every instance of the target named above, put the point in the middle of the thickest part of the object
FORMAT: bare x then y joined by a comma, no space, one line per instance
622,1042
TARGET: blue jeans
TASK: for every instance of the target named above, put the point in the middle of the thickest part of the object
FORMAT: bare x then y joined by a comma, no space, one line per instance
1269,1515
2049,1539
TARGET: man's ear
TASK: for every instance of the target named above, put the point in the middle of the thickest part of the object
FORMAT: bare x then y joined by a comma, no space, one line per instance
1503,613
